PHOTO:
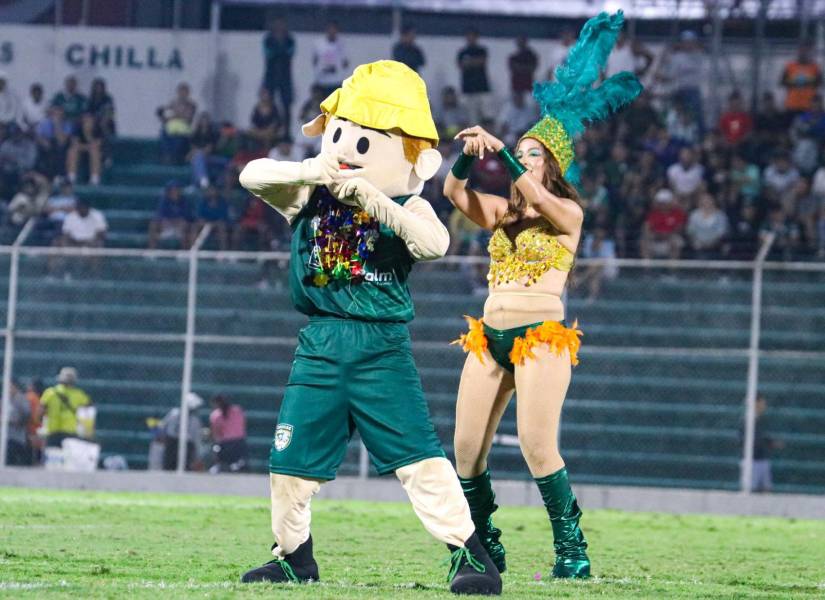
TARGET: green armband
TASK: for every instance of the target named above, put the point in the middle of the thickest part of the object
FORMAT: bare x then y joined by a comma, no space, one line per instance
461,168
513,166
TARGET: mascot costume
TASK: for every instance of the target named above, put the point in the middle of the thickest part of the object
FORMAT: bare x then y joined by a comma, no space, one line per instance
358,226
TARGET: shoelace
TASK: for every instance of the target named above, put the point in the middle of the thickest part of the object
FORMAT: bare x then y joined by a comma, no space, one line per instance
287,568
455,559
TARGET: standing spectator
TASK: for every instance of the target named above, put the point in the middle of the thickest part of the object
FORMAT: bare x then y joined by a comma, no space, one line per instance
9,103
801,80
102,106
227,424
516,117
60,404
279,48
735,123
523,64
407,51
686,65
254,222
621,57
84,227
779,176
214,210
472,60
170,431
707,228
662,233
330,61
309,110
87,139
53,136
33,393
176,124
70,100
559,52
763,444
173,217
201,151
34,107
685,176
450,116
265,122
18,451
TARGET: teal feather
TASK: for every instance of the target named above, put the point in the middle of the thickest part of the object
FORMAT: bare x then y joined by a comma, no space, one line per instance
572,99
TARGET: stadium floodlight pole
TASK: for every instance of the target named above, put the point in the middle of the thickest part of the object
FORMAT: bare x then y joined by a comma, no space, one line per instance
8,352
189,346
753,365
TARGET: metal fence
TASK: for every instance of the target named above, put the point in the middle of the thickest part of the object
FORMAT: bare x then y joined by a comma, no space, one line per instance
675,355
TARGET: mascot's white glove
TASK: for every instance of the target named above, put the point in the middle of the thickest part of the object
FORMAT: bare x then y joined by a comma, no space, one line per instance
416,222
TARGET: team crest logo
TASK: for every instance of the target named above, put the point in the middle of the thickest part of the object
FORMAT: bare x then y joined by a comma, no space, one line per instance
283,435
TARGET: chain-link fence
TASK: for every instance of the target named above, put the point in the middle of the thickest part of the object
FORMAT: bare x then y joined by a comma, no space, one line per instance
658,399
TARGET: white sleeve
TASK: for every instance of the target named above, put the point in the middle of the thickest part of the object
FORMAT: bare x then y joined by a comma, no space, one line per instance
279,184
102,225
416,223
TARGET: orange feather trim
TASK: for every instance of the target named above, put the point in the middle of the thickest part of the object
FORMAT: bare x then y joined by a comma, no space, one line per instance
558,337
474,340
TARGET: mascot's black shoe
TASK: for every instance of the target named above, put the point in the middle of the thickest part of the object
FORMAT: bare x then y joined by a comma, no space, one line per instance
472,571
298,567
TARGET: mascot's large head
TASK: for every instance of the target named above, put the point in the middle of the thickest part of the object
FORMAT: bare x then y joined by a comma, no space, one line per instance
379,121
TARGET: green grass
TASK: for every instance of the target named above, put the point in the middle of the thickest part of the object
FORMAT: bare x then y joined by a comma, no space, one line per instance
62,544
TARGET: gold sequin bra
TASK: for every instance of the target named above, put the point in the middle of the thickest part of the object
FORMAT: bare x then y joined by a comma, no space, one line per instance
535,252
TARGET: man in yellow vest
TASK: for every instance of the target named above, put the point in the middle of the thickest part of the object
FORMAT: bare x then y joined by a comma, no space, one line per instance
60,404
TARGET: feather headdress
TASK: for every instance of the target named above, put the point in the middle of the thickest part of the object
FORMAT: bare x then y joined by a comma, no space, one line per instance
571,100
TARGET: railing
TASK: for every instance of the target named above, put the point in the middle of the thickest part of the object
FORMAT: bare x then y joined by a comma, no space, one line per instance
643,351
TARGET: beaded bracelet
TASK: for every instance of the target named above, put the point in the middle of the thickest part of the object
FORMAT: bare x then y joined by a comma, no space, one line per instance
513,166
461,168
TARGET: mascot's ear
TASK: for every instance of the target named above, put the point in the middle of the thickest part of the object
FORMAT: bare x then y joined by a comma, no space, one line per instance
315,127
427,164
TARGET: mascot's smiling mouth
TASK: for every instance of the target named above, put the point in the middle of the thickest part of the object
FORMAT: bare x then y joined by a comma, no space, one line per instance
348,166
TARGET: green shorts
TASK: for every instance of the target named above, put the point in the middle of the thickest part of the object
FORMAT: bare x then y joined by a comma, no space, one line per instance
350,375
500,342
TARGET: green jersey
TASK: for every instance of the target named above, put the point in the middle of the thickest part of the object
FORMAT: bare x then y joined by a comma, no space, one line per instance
381,294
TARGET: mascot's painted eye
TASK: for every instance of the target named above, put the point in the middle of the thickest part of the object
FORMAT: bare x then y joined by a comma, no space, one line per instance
363,145
336,136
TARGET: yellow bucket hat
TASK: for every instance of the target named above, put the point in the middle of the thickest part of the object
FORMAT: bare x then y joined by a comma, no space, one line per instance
384,95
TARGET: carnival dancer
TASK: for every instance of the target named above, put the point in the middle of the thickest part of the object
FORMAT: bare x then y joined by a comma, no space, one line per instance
523,342
358,227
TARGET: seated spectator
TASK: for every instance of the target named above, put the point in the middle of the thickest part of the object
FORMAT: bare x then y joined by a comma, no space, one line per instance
736,123
60,404
284,149
170,434
662,233
787,243
227,144
214,209
172,219
516,117
465,234
685,177
30,201
58,207
312,146
780,175
71,101
201,151
265,122
18,451
33,108
227,424
86,140
53,136
9,103
176,125
256,222
84,227
598,244
744,181
450,116
18,155
682,125
744,234
707,228
102,106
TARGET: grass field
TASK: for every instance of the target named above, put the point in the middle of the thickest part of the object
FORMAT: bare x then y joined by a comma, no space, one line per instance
61,544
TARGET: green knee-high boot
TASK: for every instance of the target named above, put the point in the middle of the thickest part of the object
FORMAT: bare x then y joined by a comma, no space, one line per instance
480,496
568,539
